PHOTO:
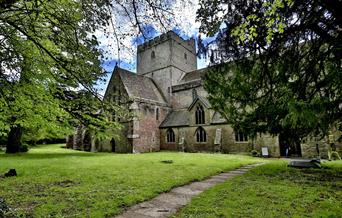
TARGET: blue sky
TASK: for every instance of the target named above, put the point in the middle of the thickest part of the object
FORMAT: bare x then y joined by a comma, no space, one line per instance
150,32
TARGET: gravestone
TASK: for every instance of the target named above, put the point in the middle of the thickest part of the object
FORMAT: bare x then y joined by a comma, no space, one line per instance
312,163
264,152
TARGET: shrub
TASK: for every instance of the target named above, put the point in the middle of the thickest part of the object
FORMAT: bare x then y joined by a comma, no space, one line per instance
24,147
255,153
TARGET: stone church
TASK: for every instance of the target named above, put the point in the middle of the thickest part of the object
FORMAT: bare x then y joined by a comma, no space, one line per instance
170,110
169,104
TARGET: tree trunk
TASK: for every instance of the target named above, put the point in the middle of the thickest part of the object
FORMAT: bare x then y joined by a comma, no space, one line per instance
14,139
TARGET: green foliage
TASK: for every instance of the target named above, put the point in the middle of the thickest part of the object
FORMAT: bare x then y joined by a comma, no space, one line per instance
255,153
24,148
60,182
282,69
50,63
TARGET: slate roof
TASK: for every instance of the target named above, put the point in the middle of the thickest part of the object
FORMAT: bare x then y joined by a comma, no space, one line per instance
176,118
138,86
193,75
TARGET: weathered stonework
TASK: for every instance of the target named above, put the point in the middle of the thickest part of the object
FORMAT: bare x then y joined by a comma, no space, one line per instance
163,96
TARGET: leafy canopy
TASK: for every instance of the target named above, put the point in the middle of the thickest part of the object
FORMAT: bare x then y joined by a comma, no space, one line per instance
50,59
277,64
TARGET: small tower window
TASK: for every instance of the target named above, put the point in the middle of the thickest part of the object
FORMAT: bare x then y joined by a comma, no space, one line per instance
240,137
157,113
199,115
153,55
201,135
170,135
185,56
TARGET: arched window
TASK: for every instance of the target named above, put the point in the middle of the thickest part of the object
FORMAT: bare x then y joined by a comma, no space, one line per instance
200,118
201,135
170,135
185,56
157,113
153,54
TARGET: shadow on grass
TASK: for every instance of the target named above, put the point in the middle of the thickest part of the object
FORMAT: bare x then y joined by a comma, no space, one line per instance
283,172
48,155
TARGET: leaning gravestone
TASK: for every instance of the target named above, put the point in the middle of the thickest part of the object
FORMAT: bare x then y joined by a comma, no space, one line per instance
313,163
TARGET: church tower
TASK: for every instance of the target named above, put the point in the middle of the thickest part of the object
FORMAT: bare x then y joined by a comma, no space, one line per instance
166,59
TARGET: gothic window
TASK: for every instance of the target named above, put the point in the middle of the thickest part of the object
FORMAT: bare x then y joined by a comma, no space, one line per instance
170,135
157,113
153,55
199,115
240,137
201,135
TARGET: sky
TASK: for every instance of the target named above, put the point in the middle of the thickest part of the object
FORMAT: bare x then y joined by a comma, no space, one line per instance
119,43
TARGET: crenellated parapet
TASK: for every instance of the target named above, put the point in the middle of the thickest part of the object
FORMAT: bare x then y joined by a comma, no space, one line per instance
188,44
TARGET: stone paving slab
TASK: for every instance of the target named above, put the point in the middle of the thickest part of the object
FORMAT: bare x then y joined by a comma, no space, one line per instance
166,204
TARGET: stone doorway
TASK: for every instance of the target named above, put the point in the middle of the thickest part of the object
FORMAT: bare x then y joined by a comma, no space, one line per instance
294,144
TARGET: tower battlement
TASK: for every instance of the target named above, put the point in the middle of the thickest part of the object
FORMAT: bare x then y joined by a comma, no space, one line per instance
189,44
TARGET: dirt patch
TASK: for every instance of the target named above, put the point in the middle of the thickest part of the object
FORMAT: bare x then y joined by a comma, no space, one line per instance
66,183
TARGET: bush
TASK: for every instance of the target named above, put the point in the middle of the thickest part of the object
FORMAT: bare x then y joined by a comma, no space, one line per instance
24,148
255,153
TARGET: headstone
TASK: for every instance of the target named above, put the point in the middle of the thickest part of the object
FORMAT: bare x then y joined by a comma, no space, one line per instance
313,163
264,152
181,144
181,141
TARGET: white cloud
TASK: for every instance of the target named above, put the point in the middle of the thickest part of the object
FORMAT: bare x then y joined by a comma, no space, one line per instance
116,40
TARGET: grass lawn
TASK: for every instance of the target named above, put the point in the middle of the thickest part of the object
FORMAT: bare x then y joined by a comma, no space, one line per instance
56,182
274,190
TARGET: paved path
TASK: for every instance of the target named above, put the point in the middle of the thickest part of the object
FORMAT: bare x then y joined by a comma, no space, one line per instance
166,204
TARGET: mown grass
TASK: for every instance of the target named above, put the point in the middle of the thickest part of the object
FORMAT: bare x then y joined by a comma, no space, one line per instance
274,190
56,182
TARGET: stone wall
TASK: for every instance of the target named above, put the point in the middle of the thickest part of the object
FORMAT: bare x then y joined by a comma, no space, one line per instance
122,143
227,145
309,145
182,95
269,141
145,129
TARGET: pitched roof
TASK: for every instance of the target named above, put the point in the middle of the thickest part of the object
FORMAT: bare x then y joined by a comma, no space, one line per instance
176,118
217,118
193,75
138,86
203,100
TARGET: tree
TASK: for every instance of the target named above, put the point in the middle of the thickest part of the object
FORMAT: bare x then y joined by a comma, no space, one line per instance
50,60
277,64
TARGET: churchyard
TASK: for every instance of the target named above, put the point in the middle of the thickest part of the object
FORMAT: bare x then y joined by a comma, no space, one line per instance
58,182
